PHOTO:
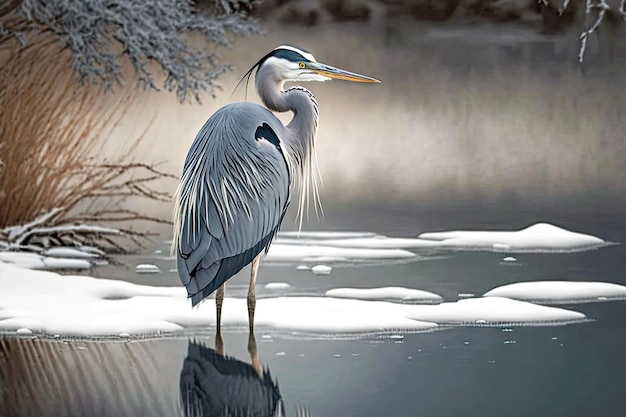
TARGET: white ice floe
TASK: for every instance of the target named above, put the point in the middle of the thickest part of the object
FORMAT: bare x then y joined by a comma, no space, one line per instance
560,292
324,235
45,302
147,269
405,295
321,270
69,252
32,260
541,237
277,286
380,242
492,311
281,252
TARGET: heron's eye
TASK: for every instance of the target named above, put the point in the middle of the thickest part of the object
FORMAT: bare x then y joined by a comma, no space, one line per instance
302,65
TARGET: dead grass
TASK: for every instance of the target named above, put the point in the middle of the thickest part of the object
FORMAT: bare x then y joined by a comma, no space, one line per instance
53,133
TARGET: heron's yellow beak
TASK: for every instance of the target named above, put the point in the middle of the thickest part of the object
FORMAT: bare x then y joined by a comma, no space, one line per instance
332,72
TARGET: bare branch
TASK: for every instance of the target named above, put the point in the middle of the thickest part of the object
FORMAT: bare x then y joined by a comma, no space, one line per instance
602,7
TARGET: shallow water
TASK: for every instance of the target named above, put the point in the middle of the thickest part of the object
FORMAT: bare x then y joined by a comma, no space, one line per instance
574,370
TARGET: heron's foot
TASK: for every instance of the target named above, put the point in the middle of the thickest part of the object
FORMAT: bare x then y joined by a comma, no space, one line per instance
219,343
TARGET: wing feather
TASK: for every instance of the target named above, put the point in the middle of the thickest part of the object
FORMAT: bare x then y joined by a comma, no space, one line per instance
232,198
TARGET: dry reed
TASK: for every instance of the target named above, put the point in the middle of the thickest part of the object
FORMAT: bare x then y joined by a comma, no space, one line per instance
53,132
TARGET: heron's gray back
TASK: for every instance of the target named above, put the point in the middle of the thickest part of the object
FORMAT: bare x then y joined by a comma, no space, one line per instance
233,195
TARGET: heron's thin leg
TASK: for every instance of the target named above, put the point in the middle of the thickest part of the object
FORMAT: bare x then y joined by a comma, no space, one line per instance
254,355
252,292
219,300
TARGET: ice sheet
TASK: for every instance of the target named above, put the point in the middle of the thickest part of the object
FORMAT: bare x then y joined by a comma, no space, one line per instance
32,260
560,292
73,305
280,252
493,311
406,295
541,237
380,242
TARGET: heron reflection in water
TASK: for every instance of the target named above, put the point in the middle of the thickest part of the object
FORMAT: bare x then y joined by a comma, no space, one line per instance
212,384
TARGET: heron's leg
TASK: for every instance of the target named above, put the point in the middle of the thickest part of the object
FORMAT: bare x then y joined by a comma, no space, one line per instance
252,292
254,355
219,300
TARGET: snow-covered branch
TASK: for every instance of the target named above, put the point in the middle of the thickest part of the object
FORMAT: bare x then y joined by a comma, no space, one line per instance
57,229
100,33
602,7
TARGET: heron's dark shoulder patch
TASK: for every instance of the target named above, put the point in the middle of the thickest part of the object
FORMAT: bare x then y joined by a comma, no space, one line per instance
266,132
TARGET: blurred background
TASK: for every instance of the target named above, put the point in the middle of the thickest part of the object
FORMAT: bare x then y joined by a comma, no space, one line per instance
482,103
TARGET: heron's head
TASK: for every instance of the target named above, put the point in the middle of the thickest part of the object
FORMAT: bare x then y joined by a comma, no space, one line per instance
288,63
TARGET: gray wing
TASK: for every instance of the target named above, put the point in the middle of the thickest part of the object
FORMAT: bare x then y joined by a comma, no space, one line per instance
232,198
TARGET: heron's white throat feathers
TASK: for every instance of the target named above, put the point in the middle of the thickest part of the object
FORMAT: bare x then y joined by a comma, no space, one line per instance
301,134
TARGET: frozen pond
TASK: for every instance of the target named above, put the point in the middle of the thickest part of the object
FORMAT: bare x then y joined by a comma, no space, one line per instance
482,369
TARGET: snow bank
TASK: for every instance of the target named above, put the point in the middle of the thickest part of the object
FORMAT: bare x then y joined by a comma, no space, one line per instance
324,235
321,270
405,295
541,237
560,292
69,252
32,260
380,242
281,252
493,311
277,286
82,306
147,269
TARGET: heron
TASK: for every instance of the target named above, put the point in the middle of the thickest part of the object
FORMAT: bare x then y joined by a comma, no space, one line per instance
238,174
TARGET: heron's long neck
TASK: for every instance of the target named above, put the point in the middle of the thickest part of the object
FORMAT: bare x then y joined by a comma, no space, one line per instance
302,129
301,133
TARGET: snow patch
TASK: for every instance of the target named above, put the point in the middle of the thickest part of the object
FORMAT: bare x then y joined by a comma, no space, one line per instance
31,260
321,270
380,242
45,302
277,286
147,269
560,292
325,235
68,252
541,237
493,311
280,252
405,295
